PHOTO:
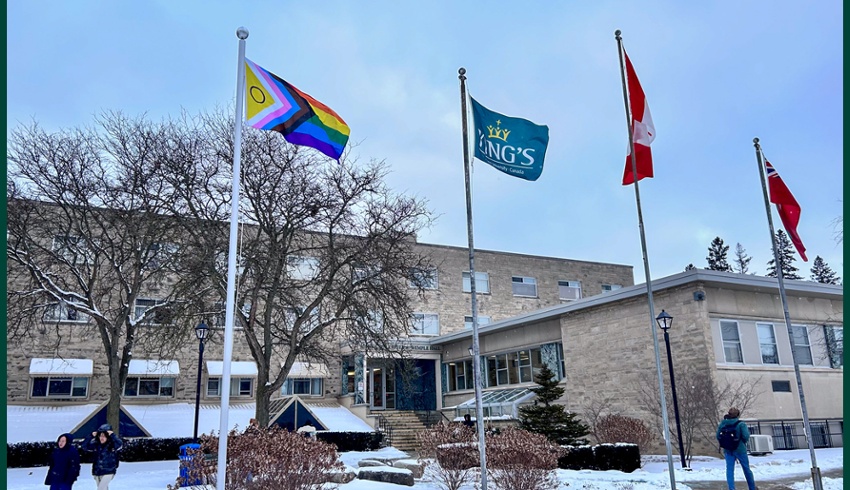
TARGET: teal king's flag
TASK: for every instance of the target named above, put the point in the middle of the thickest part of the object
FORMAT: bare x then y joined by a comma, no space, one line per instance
513,145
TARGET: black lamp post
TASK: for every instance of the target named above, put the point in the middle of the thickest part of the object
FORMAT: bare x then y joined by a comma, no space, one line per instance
665,321
201,331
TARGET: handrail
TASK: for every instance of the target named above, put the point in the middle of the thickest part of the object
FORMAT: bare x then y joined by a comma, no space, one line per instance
387,429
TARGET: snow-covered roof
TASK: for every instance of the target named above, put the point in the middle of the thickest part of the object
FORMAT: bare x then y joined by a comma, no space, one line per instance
37,423
237,368
156,367
338,418
61,366
309,370
178,419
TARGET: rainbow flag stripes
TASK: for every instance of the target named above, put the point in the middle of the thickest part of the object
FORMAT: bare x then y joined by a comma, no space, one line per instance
275,105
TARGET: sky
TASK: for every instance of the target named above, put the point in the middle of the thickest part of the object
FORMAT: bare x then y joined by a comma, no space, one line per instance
715,74
780,465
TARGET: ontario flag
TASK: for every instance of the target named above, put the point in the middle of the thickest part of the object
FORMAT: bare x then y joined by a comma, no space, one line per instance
786,205
643,131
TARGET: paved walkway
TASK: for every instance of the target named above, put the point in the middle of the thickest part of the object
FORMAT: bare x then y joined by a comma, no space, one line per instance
781,484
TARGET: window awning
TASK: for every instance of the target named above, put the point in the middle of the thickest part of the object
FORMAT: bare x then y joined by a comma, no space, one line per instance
142,367
237,368
66,367
309,370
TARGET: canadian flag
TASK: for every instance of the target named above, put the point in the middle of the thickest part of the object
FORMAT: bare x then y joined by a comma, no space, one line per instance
786,206
643,131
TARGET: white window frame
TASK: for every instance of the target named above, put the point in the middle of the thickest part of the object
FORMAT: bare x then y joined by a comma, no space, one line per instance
482,282
235,386
360,274
513,368
427,278
767,342
74,381
524,282
159,380
291,314
302,267
574,286
732,343
160,253
374,319
138,314
482,320
834,335
807,346
607,288
425,324
317,386
65,312
72,249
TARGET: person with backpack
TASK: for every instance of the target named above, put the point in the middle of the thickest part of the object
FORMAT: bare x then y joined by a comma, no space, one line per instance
732,434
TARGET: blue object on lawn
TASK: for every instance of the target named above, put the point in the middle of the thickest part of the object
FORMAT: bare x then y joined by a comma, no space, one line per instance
188,461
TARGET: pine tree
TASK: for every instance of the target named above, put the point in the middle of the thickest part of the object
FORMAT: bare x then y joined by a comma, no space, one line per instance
742,260
786,256
550,419
822,273
690,267
717,253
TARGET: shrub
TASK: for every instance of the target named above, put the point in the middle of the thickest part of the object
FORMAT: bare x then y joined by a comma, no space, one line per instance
521,460
352,441
577,458
450,453
272,458
30,454
619,428
622,456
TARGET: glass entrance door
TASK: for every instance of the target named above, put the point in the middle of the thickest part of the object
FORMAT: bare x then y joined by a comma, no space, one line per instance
381,387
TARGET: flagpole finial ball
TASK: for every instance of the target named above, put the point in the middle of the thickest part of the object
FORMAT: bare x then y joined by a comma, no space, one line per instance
756,140
462,71
242,33
617,34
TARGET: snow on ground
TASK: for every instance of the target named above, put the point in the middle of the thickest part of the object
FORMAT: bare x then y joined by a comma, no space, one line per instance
782,464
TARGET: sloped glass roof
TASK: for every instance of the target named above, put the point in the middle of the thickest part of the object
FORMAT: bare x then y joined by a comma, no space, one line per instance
497,403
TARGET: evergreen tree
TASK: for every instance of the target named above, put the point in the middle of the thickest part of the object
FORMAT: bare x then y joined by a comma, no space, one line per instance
717,253
786,256
742,260
551,419
690,267
822,273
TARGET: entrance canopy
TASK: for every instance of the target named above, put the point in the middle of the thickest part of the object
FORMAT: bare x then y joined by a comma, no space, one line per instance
497,403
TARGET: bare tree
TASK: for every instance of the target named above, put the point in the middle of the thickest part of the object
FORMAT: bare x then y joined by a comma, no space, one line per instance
741,262
702,403
325,253
89,236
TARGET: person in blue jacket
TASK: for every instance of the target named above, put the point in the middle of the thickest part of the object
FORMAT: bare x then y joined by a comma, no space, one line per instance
740,452
64,465
105,444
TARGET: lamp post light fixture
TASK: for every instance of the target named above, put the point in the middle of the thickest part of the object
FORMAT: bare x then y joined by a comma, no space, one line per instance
201,331
471,352
665,321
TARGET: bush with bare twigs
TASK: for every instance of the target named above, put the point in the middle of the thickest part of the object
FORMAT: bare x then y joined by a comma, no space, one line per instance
264,459
620,428
521,460
450,453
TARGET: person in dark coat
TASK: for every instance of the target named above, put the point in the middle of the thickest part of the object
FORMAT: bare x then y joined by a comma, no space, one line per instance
740,453
467,421
105,444
64,464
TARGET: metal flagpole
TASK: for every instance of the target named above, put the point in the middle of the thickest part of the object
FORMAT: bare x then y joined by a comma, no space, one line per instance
242,34
476,353
646,266
816,476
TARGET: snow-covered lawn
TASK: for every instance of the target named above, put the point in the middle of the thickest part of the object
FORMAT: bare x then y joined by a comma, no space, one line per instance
653,475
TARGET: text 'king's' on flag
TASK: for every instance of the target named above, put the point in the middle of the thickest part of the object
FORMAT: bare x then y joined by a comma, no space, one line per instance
786,205
643,131
275,105
510,144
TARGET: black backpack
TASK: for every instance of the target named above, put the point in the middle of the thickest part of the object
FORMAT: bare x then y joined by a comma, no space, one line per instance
729,438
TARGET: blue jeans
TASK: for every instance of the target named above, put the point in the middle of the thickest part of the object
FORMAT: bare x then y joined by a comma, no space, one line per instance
741,457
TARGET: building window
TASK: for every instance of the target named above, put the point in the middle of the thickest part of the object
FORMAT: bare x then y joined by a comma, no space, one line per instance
366,274
607,288
731,341
460,376
140,387
71,249
160,254
524,286
302,386
512,367
160,316
569,290
781,386
800,344
425,324
62,312
59,387
310,320
767,343
562,365
834,345
423,278
482,320
482,282
372,320
302,268
238,387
